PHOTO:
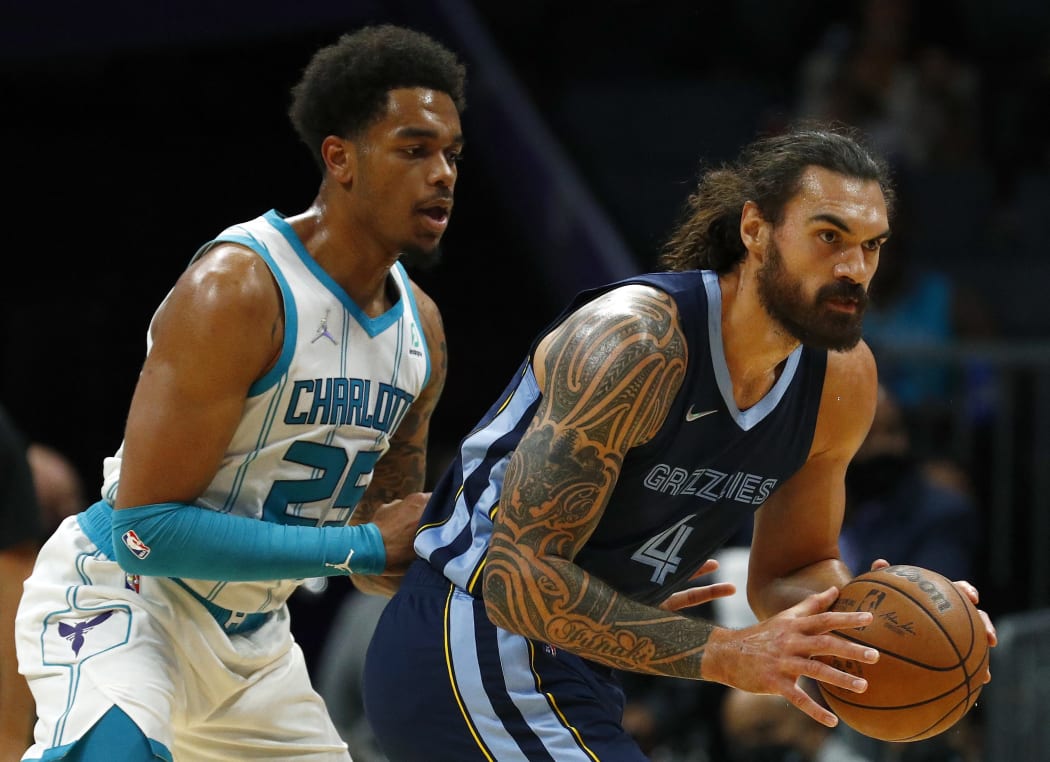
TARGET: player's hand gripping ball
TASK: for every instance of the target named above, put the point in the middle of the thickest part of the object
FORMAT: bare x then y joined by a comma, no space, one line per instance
933,652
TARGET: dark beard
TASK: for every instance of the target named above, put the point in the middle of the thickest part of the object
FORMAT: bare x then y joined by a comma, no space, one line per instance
811,324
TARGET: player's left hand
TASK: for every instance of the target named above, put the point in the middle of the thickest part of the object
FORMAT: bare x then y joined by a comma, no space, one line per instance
695,596
397,522
971,592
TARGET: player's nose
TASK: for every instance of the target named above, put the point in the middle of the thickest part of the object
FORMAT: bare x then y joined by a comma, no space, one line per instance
853,265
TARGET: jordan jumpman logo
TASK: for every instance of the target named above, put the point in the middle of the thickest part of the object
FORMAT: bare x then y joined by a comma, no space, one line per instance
322,330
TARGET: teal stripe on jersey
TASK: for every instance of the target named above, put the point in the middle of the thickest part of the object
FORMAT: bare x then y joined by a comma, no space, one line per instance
260,441
424,348
400,348
291,324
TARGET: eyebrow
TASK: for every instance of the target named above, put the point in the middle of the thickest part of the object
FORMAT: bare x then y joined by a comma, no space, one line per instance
423,132
839,223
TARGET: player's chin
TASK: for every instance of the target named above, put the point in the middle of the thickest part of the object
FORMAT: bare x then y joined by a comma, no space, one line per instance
839,334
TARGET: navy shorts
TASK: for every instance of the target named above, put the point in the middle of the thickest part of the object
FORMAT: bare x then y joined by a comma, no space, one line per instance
443,684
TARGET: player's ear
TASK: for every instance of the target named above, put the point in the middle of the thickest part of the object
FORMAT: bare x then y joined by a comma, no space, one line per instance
754,230
339,158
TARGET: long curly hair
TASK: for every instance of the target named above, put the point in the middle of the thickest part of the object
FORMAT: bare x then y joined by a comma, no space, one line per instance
344,87
768,172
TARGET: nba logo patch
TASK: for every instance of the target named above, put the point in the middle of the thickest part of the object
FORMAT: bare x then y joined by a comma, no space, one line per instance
132,582
134,544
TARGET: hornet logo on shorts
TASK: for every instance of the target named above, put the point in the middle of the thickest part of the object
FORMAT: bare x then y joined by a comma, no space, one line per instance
75,633
134,544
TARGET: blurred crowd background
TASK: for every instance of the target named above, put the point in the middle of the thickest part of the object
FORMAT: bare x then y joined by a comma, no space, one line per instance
133,132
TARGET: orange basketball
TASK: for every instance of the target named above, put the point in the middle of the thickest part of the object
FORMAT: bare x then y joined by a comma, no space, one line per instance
933,651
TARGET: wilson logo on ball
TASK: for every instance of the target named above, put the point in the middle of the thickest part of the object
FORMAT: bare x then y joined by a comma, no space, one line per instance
914,574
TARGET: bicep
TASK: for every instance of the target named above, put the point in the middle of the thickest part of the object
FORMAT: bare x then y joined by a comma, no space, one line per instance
214,335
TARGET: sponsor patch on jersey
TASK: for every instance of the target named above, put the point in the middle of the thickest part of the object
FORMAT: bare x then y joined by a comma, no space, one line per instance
134,544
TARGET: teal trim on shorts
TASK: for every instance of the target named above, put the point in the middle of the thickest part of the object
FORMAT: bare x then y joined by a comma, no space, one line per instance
115,730
245,623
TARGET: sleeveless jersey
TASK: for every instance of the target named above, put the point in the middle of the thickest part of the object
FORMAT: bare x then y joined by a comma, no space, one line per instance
680,496
314,426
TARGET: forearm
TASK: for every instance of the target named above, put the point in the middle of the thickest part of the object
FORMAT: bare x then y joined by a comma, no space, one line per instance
175,540
776,594
557,602
401,471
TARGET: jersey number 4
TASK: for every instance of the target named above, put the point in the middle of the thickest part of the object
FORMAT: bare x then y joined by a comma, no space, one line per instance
661,551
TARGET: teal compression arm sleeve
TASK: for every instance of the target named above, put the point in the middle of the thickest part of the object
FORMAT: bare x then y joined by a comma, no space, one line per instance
179,540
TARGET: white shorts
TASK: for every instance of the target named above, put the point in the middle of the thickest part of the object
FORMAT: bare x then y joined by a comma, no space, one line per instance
88,640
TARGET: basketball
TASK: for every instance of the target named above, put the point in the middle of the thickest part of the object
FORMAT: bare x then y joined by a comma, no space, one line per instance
933,651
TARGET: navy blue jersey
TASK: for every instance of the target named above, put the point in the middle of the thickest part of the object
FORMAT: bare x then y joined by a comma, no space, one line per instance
680,496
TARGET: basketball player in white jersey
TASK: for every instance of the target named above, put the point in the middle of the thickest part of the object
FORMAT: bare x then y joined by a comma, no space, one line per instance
277,433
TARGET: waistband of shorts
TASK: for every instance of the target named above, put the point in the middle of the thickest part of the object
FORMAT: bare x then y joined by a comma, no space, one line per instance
232,622
421,574
97,522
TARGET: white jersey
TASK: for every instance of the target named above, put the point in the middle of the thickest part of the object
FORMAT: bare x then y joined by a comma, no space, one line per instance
314,426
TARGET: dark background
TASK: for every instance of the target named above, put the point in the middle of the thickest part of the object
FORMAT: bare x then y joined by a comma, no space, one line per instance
133,132
132,136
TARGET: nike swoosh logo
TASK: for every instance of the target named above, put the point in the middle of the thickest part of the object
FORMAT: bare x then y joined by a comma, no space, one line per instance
691,416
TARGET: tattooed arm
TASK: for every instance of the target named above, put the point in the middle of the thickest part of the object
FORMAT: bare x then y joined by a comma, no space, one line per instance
400,474
608,375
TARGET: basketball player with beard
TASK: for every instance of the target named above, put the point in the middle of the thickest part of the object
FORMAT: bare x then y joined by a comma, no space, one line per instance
650,419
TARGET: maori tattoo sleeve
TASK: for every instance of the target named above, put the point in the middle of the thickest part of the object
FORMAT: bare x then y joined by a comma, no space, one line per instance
609,376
